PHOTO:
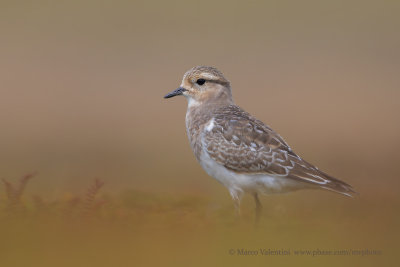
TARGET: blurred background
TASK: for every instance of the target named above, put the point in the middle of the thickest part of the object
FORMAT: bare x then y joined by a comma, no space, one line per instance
81,97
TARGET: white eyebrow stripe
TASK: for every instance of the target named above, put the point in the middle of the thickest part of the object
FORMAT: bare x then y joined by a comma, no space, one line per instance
208,76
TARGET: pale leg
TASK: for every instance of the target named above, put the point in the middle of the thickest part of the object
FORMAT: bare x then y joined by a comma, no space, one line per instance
237,197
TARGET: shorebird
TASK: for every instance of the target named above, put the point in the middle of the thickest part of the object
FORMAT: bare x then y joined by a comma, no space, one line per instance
241,152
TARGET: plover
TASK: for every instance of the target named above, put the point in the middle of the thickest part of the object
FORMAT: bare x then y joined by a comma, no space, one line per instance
241,152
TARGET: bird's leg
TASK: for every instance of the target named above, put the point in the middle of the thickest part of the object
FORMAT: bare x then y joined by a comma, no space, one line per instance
258,208
236,203
236,196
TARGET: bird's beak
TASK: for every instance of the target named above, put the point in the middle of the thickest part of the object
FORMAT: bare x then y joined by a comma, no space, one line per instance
178,91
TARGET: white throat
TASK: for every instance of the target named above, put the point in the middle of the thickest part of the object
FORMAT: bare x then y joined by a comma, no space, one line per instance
192,102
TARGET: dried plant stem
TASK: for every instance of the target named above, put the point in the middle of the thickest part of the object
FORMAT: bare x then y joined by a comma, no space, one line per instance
92,191
14,193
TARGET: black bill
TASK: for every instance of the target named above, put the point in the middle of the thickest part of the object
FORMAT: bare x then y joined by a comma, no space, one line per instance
178,91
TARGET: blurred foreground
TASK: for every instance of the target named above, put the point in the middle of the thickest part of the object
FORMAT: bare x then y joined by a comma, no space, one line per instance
148,229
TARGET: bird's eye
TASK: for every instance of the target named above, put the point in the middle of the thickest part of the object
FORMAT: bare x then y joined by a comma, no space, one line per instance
200,81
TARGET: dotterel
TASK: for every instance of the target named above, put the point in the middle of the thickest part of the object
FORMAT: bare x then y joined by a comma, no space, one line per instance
241,152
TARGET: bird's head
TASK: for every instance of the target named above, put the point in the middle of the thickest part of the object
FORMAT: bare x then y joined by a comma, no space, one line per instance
203,84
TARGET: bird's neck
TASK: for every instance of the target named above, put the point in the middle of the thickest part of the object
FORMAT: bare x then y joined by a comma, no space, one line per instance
200,112
207,103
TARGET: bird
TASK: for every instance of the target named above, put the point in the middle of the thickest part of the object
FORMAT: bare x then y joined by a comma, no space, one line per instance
238,150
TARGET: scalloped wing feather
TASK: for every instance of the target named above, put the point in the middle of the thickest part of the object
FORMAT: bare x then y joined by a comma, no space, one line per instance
244,144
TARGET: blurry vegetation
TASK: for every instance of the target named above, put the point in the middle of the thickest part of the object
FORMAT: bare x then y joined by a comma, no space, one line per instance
137,228
132,205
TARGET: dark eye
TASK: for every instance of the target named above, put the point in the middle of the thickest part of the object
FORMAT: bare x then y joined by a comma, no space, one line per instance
200,81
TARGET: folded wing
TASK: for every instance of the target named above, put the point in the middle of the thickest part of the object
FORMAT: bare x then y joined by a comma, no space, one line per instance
244,144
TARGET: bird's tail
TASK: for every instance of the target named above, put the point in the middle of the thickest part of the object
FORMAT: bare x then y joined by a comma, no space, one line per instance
337,185
310,174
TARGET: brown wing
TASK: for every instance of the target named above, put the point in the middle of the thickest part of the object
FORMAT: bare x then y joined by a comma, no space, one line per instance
244,144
